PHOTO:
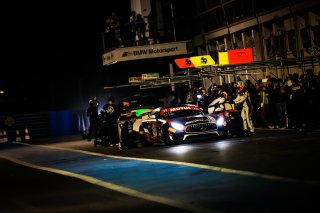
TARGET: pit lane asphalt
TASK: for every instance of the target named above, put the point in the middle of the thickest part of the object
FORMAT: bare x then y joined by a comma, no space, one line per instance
24,189
242,171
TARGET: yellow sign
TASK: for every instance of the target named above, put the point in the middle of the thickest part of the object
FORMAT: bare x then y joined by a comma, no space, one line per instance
223,58
203,60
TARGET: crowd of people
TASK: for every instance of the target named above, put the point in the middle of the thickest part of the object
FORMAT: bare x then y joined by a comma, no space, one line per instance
132,32
270,102
103,126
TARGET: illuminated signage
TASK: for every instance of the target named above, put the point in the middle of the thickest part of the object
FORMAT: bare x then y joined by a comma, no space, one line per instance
240,56
223,58
149,76
184,63
135,79
203,60
145,52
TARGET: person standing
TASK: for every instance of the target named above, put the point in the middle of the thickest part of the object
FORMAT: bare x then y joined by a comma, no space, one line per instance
311,84
92,113
110,114
190,97
243,99
168,100
115,25
141,29
153,27
109,35
132,23
264,108
203,99
297,97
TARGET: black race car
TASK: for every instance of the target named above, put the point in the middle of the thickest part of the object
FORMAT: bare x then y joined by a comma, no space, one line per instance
177,123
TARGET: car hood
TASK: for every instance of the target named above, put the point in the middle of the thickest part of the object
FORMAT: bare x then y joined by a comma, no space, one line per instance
193,119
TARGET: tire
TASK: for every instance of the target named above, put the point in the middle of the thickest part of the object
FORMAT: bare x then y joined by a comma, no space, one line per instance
223,133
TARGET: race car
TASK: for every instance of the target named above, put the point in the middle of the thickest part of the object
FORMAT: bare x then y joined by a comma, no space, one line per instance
178,123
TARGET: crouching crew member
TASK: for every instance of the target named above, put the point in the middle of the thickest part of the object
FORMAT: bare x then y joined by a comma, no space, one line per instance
128,135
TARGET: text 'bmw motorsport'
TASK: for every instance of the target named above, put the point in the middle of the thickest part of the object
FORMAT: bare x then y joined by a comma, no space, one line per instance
155,51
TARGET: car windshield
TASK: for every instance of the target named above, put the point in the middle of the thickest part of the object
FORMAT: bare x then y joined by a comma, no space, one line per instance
181,113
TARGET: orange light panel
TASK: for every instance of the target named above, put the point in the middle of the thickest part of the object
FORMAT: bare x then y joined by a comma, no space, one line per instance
240,56
184,63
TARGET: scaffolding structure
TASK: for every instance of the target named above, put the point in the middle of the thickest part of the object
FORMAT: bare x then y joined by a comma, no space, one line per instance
259,68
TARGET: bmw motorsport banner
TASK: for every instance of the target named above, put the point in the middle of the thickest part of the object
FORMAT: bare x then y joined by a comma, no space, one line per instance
145,52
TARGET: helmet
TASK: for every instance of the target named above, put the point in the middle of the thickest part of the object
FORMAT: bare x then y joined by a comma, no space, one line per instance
92,102
240,86
214,88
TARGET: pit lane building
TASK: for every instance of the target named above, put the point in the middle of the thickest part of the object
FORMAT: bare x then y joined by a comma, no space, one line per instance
283,35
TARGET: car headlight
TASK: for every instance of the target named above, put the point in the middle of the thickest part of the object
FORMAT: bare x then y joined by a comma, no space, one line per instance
177,126
220,121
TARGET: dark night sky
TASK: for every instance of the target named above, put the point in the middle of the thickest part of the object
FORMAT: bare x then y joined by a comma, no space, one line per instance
52,54
51,47
38,34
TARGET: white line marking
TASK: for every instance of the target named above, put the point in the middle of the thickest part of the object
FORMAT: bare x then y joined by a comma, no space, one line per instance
202,166
118,188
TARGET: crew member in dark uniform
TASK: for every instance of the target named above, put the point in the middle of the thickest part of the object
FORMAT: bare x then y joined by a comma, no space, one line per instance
128,135
110,115
203,99
297,98
92,113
